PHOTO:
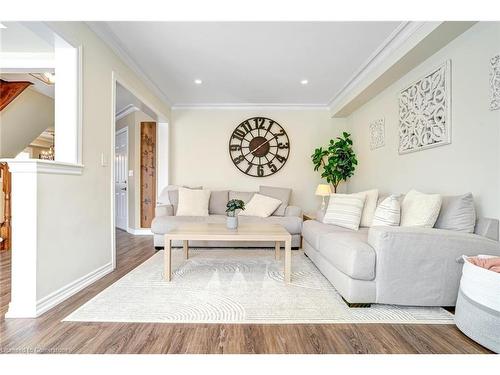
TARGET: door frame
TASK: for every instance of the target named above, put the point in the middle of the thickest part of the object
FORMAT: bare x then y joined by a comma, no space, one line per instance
118,132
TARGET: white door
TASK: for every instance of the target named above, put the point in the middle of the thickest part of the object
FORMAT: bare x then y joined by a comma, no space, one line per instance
121,173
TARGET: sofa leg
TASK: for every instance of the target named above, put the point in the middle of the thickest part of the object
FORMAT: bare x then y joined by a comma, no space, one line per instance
158,248
356,305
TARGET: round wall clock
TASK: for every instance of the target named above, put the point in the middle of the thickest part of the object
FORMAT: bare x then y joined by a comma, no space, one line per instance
259,147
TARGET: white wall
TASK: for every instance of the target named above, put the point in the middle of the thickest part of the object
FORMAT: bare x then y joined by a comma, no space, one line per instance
74,215
199,149
471,162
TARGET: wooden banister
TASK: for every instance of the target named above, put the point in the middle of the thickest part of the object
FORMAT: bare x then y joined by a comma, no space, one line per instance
11,90
5,227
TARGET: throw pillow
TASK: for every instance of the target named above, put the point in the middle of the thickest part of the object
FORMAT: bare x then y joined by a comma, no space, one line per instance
345,210
173,196
282,194
371,197
260,206
388,212
218,201
193,202
457,213
419,209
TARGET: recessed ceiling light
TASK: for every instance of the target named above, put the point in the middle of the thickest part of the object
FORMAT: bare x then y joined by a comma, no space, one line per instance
304,82
198,81
2,26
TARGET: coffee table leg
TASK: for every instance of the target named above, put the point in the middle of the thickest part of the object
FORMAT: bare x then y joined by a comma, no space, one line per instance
277,250
288,260
185,245
167,272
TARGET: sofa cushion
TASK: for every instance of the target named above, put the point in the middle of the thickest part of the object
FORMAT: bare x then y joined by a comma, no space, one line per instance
218,202
312,230
245,196
457,213
388,212
350,253
371,198
282,194
173,195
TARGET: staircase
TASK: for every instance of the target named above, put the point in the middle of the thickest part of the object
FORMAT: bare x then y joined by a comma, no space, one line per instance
24,115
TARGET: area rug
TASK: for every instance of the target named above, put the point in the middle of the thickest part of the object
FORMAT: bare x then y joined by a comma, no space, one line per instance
237,286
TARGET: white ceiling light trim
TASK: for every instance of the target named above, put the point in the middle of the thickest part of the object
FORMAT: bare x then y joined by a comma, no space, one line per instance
304,82
288,106
198,81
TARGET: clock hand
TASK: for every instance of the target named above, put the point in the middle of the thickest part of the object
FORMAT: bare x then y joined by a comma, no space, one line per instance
270,139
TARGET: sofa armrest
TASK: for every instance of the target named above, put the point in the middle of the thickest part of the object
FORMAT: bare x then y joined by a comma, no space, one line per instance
164,210
487,227
418,266
293,211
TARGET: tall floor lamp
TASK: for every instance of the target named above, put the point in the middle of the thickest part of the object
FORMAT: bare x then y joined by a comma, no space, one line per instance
323,190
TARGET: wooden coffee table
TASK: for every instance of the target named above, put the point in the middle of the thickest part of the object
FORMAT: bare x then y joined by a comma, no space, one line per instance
218,232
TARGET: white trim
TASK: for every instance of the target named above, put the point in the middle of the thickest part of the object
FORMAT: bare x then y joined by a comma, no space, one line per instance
43,166
140,231
46,303
106,34
126,111
278,106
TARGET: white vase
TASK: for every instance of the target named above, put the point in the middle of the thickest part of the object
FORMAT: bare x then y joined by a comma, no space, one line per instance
232,222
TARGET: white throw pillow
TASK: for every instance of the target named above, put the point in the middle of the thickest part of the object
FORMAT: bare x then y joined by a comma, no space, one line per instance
193,202
345,210
388,212
420,210
371,198
260,205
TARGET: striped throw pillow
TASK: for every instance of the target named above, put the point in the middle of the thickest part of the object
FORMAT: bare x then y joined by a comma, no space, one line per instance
345,210
388,212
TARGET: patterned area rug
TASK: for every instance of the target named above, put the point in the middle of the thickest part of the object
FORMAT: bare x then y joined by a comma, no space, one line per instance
236,286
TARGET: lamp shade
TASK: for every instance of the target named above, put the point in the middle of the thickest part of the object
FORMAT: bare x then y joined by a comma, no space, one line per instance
323,190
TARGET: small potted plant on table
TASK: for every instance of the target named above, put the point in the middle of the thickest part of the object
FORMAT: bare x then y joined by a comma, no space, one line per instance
232,218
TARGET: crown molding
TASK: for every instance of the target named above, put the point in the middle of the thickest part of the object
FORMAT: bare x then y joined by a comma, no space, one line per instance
398,39
106,34
126,111
282,106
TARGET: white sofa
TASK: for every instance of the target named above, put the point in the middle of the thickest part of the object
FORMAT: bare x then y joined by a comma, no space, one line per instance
396,265
290,217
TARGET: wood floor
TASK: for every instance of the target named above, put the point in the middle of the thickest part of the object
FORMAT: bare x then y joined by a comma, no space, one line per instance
47,334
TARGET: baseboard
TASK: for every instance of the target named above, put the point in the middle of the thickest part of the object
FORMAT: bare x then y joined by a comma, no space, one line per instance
140,231
55,298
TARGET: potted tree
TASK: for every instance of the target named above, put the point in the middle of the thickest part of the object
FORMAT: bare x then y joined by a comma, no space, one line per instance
338,160
231,207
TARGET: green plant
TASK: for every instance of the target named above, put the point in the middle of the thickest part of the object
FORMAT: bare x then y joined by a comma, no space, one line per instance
233,205
338,160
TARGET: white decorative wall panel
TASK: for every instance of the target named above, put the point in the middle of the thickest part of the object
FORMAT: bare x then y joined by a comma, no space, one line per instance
377,134
495,82
425,111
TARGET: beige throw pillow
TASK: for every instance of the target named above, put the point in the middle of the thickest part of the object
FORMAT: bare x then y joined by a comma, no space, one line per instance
261,206
420,210
193,202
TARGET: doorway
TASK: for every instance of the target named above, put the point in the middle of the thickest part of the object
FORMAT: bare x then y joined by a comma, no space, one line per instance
121,179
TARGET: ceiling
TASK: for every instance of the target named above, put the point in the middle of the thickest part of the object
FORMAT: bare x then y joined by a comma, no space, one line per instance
20,37
248,63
